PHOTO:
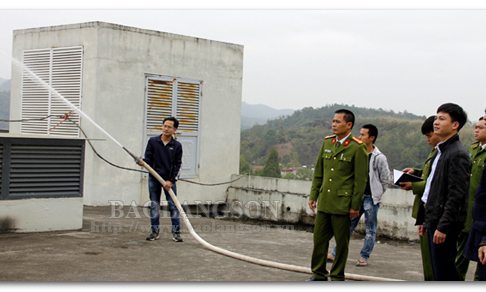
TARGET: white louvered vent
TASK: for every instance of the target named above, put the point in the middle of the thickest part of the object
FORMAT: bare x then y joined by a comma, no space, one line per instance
61,69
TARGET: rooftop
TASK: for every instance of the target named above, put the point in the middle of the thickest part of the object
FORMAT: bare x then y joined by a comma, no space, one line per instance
111,247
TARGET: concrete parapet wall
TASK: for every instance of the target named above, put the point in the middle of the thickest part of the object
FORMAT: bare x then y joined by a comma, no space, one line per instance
284,200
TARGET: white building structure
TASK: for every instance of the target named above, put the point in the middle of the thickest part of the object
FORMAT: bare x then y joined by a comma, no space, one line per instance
128,80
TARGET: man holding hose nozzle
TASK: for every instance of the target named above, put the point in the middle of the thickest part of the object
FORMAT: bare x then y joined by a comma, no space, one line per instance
164,155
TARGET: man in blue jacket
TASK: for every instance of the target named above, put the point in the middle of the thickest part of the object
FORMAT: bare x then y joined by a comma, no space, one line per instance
164,155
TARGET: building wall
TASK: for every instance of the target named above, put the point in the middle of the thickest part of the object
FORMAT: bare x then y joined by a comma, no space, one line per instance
283,200
115,61
36,215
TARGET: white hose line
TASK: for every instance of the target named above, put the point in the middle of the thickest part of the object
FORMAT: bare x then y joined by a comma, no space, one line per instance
294,268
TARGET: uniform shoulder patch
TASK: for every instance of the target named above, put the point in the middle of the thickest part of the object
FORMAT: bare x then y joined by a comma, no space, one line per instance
357,140
330,136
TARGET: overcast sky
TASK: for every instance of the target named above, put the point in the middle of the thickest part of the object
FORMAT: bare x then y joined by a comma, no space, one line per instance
399,60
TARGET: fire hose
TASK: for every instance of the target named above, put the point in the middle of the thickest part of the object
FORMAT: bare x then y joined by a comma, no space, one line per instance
235,255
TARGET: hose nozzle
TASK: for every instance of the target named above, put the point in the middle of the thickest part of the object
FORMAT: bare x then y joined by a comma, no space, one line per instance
137,158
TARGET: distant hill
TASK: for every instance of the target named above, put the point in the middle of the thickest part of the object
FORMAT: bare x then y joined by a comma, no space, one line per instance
298,137
4,108
4,85
259,114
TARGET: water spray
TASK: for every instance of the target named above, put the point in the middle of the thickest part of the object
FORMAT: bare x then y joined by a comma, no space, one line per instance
41,82
183,214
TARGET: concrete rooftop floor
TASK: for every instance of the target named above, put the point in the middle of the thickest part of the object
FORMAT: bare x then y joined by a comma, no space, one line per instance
115,250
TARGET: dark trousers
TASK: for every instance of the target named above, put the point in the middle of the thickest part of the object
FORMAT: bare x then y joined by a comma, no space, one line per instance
462,263
155,192
426,264
443,256
481,272
325,227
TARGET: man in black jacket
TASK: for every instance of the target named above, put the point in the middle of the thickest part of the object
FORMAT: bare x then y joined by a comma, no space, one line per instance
445,196
164,155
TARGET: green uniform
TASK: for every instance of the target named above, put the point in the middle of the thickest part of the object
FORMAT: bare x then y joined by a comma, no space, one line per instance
478,156
338,185
418,189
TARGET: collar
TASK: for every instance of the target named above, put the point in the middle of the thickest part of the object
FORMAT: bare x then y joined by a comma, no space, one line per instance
344,139
442,146
375,151
161,141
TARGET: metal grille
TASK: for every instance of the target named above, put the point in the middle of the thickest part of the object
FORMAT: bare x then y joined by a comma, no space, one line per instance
45,170
60,69
41,168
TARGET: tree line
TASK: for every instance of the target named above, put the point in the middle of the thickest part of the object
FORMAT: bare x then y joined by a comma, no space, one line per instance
300,137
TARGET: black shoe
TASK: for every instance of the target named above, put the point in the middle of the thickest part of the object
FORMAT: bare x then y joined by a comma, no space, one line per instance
177,237
153,236
314,279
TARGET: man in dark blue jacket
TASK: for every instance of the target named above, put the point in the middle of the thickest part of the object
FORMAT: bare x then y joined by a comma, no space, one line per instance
445,197
164,155
476,245
475,249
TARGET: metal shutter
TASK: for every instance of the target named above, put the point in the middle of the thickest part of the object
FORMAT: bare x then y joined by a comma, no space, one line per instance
61,69
41,168
37,170
188,114
159,103
188,96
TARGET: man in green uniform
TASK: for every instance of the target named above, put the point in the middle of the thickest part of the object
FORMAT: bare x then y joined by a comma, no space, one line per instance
337,191
478,155
418,190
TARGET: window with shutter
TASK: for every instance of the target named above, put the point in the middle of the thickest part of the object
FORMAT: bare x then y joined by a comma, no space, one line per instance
61,70
179,97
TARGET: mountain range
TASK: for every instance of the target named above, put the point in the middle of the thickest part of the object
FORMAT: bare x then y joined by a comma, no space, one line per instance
259,114
4,84
298,137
